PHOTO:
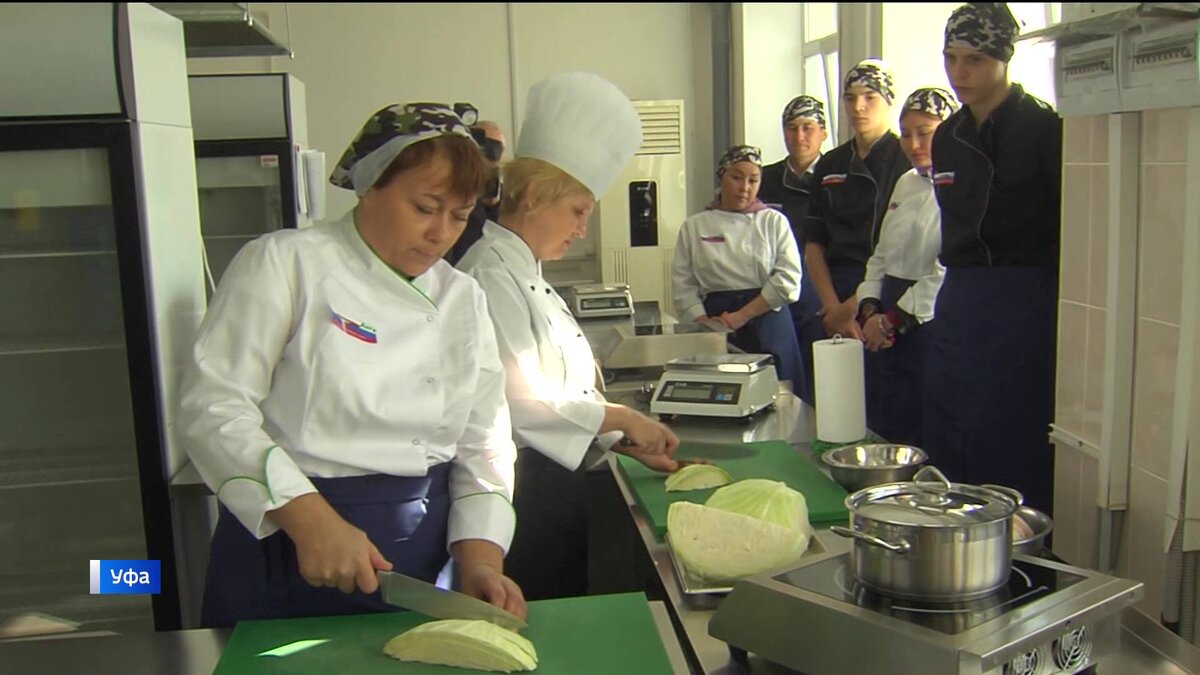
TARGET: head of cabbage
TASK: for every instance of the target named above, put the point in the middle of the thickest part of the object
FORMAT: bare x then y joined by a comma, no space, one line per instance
745,528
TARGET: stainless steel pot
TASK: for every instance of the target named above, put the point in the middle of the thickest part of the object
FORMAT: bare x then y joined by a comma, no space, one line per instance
937,541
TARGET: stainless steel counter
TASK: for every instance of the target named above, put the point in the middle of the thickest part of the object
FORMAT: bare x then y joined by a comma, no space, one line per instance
1147,648
186,652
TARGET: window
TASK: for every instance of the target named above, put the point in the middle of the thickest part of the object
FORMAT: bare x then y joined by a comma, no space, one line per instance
822,78
1033,64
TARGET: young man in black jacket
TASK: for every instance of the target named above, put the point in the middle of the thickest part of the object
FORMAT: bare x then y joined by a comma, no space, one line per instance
786,186
854,183
997,167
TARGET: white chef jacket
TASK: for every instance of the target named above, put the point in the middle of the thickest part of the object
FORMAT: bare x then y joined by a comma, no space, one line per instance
910,240
550,373
721,250
317,359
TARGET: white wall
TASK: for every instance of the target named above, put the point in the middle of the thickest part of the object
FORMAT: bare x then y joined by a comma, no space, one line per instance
771,70
913,35
355,57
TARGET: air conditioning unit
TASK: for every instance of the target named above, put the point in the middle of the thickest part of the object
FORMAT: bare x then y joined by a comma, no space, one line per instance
642,212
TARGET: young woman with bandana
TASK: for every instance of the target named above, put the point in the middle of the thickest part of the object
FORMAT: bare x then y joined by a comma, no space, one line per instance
786,186
737,263
896,298
854,181
345,398
561,422
997,167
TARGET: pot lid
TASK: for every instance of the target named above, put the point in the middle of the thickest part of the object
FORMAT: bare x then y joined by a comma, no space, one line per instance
932,504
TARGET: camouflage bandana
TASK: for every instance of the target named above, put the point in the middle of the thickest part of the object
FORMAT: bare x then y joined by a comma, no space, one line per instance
804,106
872,74
931,101
386,134
986,26
739,153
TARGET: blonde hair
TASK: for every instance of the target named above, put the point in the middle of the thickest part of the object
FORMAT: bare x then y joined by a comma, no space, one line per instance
549,183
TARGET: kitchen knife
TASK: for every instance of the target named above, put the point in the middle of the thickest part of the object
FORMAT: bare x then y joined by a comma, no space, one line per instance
425,598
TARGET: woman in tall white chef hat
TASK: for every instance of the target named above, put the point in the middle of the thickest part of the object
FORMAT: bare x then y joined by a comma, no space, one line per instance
345,399
578,134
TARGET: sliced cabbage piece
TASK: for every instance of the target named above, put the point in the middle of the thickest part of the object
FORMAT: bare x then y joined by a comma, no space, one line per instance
769,500
723,546
697,477
464,643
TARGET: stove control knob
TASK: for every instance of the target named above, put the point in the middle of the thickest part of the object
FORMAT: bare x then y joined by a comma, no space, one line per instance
1072,649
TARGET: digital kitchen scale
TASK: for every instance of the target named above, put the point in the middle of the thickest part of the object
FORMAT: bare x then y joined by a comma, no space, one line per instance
1050,619
600,300
716,385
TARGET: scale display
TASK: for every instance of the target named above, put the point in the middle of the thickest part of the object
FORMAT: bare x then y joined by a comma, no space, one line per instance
701,392
586,304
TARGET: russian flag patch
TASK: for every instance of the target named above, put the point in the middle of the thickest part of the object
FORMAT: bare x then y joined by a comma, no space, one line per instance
833,179
713,239
356,330
943,178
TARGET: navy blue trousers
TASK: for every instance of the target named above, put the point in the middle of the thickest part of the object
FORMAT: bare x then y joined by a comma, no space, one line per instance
990,379
846,279
770,333
405,517
896,377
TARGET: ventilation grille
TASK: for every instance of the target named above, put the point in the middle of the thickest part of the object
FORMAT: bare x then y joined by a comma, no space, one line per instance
1089,63
662,129
1029,663
1071,651
1167,51
620,265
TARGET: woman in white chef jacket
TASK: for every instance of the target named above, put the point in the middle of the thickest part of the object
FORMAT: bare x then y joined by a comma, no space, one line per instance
737,262
903,276
579,132
345,400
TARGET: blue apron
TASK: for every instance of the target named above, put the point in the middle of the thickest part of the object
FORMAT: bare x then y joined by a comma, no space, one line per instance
990,379
404,517
846,278
770,333
896,376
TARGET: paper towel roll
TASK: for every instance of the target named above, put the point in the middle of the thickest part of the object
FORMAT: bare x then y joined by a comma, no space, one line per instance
840,392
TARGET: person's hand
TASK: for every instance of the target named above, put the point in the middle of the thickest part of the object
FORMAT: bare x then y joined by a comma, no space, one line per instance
330,552
734,320
879,333
484,581
649,441
839,319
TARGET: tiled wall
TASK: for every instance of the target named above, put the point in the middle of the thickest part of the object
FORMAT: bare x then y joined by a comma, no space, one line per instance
1081,334
1082,315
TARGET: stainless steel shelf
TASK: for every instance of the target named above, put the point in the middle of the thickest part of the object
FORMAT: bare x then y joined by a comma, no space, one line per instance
55,254
40,468
25,348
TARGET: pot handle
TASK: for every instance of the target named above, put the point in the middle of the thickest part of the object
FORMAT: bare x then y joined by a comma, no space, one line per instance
932,470
902,547
1011,492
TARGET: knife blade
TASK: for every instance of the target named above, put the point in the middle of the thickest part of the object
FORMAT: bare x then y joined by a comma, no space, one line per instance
439,603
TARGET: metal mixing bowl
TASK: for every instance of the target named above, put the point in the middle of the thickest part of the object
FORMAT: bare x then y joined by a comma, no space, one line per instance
1040,523
855,467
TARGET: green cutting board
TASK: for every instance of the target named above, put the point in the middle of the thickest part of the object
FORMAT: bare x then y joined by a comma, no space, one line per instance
774,460
600,635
